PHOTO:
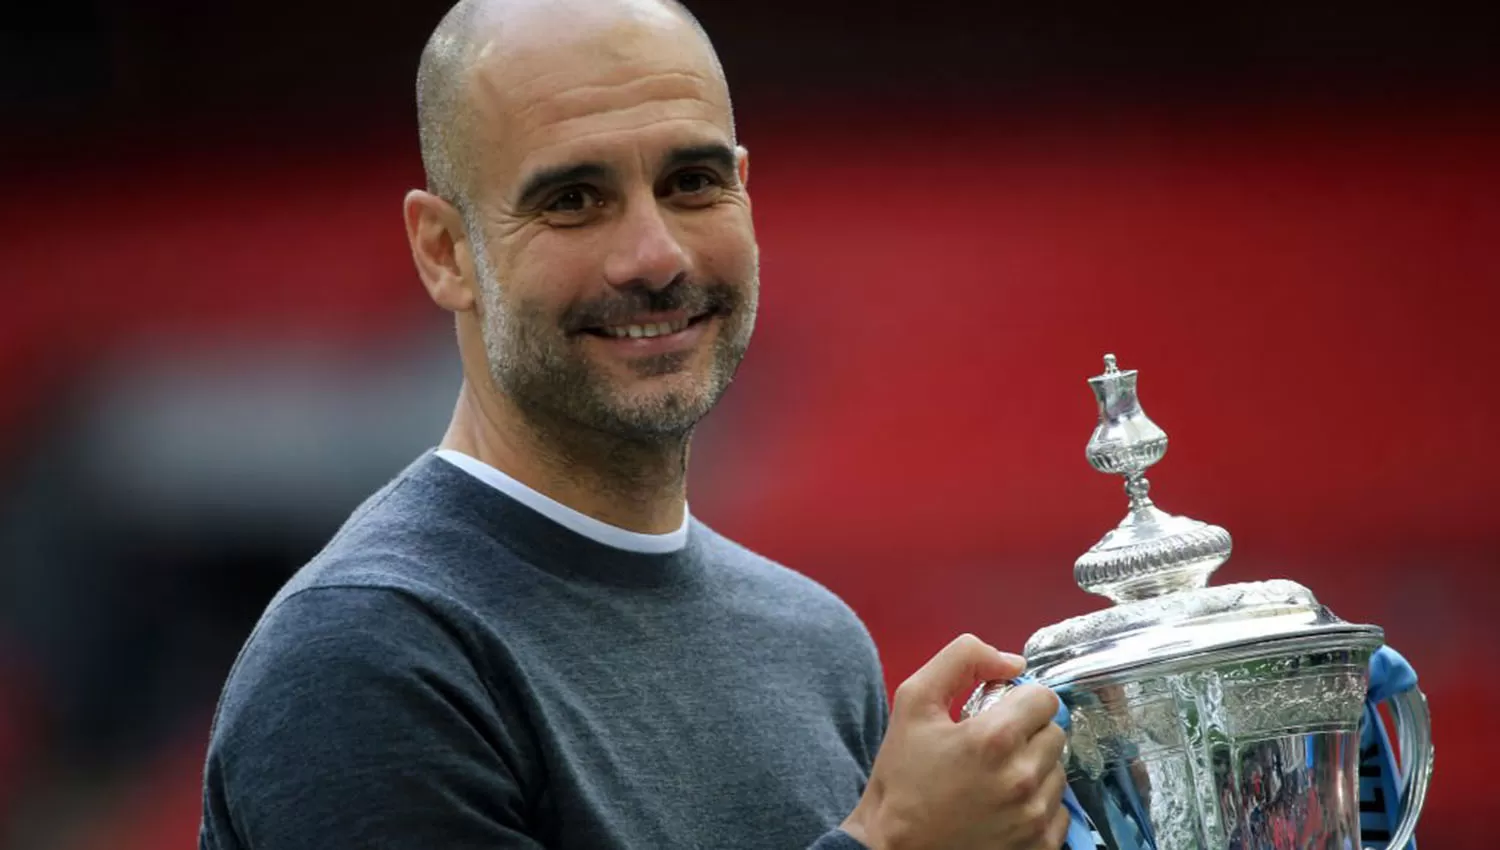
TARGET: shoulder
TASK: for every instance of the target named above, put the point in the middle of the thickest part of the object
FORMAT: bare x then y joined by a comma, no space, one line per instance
414,537
340,662
372,606
337,639
354,715
751,576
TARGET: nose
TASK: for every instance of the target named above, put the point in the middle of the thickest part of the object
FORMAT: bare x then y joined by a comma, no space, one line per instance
646,251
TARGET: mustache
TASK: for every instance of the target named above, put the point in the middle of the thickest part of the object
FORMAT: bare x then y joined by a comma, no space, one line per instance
678,296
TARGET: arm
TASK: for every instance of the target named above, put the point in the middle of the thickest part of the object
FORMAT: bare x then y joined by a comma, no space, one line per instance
353,719
875,718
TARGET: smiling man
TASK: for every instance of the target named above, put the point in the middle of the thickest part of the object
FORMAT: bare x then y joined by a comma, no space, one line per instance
525,640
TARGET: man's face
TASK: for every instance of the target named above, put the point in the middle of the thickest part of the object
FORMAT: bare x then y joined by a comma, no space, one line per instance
611,229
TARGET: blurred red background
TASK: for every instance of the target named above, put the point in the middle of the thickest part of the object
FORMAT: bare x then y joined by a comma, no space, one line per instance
212,347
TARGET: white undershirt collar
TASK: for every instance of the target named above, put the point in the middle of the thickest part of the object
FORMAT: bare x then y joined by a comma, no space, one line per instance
600,532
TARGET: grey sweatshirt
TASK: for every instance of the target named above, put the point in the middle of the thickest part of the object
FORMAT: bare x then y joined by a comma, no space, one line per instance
456,670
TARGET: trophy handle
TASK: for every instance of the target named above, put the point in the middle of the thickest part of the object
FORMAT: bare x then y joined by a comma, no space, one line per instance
985,696
1414,730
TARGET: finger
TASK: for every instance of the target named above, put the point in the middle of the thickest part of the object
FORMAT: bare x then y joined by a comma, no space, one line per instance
1048,743
1036,798
1054,782
1057,831
1022,713
1031,780
954,671
1033,770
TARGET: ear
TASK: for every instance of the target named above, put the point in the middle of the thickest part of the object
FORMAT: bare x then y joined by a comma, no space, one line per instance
742,157
440,248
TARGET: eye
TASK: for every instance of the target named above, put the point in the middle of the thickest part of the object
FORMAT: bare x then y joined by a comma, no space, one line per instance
574,199
693,182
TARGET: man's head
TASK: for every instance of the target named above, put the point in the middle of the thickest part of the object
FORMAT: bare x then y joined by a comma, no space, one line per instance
587,215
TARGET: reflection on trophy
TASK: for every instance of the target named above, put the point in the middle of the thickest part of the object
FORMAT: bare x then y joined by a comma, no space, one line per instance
1203,718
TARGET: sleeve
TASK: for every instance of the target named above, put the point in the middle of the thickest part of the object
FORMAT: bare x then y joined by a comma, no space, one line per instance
878,715
837,839
354,719
877,706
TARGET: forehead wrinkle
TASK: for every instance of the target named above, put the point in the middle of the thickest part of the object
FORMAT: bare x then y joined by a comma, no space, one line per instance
630,119
581,139
676,85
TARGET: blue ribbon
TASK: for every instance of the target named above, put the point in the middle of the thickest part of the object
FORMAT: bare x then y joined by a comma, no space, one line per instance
1081,833
1379,778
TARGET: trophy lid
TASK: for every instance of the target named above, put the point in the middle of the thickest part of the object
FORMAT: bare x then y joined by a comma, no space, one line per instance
1155,567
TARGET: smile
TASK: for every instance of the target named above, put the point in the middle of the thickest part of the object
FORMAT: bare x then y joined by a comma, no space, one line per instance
647,330
653,335
665,326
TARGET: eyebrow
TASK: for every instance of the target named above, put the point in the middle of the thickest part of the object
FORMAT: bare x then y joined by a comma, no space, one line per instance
712,153
549,180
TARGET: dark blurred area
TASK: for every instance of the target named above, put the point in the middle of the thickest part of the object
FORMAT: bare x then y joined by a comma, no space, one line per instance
213,345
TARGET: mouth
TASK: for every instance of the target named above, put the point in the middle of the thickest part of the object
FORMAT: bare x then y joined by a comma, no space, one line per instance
650,326
652,335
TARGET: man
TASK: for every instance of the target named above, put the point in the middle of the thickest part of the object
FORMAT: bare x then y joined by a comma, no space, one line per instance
525,640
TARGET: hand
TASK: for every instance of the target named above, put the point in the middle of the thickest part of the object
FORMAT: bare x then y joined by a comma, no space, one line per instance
995,780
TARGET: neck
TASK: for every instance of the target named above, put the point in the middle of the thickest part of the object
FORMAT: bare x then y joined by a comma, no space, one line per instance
636,485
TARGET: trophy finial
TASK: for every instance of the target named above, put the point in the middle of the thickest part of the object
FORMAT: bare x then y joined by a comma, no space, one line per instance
1151,552
1126,441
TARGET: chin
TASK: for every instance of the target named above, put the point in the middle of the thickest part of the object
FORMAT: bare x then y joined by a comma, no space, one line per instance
663,412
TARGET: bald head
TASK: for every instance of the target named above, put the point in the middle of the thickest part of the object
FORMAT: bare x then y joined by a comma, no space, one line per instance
491,32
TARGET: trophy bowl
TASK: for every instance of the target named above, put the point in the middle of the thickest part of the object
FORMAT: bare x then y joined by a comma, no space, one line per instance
1208,718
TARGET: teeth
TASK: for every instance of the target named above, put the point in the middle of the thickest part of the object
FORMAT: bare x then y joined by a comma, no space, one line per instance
645,331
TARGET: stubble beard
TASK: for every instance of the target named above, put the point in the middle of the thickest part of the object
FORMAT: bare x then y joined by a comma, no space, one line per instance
545,373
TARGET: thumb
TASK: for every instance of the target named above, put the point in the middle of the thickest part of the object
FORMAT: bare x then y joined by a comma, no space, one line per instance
954,672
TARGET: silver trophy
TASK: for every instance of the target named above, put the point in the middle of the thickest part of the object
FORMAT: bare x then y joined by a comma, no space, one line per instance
1208,718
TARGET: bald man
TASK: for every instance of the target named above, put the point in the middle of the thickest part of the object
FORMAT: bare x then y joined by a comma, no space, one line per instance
525,640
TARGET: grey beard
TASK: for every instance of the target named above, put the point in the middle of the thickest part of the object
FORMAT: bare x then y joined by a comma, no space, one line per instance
534,363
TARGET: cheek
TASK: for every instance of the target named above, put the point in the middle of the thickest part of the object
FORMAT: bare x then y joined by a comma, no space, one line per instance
727,250
551,272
